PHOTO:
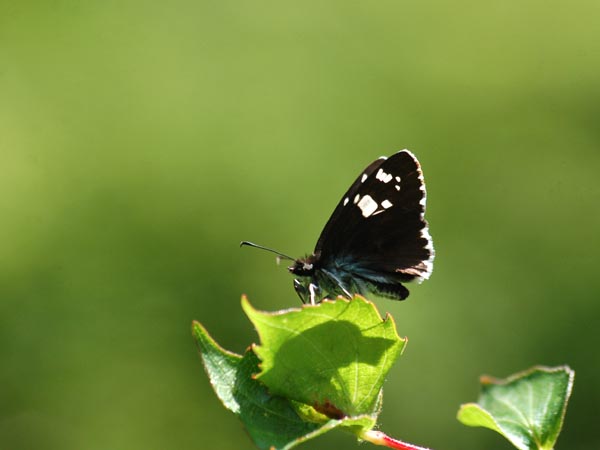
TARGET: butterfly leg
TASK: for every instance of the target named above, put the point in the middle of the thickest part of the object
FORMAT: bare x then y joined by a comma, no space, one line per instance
315,292
300,290
308,293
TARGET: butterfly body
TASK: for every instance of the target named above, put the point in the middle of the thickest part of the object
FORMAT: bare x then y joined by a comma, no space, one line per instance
345,278
375,240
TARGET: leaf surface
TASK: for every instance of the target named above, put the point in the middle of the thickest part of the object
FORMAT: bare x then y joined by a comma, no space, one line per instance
527,408
333,356
270,421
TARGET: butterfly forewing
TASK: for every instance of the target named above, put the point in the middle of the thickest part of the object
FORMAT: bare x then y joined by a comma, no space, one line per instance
378,230
330,237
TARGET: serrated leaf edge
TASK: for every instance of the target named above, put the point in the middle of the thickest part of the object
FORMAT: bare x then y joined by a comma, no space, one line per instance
247,307
487,379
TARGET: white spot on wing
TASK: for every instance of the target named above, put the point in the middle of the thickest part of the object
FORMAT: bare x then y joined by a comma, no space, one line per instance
397,187
356,198
387,204
397,179
367,205
364,177
346,200
382,176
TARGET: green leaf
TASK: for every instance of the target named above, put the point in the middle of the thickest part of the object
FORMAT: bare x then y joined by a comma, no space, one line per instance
272,422
333,356
324,366
527,408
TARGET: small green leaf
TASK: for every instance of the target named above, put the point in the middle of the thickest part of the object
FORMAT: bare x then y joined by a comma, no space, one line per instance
333,356
221,366
272,422
527,408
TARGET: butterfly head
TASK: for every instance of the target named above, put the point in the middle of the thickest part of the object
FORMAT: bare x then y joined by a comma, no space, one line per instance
304,267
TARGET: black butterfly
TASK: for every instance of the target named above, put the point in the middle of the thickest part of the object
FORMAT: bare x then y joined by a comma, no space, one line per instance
376,239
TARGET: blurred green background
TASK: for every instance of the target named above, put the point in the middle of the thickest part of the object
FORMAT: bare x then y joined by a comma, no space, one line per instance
140,142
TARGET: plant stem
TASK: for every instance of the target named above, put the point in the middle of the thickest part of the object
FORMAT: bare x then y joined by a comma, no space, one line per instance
379,438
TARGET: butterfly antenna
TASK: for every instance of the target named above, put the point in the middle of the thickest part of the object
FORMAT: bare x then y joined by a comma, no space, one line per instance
279,255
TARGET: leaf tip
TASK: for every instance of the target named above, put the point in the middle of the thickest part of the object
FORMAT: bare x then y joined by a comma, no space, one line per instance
198,330
247,307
